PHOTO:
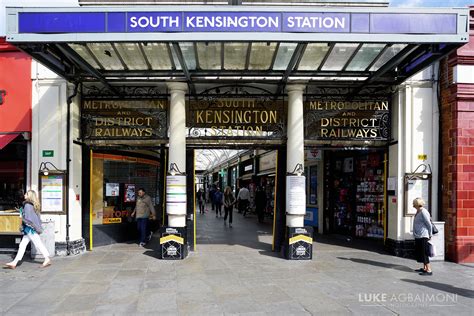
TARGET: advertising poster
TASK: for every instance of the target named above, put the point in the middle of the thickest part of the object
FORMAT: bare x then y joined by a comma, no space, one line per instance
129,193
112,189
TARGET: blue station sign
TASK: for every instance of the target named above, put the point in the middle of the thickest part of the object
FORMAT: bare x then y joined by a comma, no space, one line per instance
222,21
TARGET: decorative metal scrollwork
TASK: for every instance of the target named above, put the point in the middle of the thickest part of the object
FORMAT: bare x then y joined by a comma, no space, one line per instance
94,91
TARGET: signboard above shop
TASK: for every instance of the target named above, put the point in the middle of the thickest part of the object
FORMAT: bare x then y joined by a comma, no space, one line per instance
124,119
349,120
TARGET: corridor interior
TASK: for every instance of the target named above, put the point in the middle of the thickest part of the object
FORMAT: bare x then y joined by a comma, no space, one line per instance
211,229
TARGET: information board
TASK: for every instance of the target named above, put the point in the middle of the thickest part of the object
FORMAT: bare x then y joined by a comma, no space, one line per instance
52,193
296,195
417,186
176,195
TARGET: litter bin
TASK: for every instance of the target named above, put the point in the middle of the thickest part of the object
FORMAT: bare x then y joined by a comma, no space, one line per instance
438,242
47,237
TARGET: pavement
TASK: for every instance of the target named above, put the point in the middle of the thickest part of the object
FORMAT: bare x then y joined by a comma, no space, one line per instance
233,271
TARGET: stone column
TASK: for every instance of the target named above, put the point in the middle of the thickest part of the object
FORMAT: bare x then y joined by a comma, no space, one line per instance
177,142
295,143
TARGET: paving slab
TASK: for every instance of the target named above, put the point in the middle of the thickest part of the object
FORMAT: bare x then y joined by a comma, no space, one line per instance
234,272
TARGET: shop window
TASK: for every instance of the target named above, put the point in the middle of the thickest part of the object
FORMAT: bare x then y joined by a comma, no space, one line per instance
355,193
115,183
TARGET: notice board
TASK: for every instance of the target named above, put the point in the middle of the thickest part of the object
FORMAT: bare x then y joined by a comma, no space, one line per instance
417,185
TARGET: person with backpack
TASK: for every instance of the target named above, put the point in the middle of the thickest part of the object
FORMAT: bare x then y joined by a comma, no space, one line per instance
218,200
31,228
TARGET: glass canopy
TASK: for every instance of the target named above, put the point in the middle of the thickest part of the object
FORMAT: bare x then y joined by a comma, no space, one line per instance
242,59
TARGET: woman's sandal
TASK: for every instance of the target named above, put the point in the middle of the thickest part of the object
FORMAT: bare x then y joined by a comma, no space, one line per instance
46,264
10,266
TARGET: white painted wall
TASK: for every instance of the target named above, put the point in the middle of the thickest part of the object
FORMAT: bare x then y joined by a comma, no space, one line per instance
49,130
415,125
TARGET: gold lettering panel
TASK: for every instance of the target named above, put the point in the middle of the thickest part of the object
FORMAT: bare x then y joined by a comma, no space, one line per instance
124,119
236,117
358,120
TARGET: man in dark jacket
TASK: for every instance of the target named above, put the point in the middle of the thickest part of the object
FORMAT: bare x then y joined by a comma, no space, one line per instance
144,209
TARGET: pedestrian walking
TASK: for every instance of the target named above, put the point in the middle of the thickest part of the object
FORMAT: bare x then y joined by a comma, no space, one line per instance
229,202
218,200
200,200
30,228
144,210
212,191
243,199
422,231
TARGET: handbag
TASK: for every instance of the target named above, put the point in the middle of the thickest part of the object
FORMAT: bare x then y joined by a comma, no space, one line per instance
431,250
434,229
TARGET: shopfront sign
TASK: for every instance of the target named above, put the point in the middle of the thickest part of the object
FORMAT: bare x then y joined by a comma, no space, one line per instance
124,119
232,117
232,21
355,120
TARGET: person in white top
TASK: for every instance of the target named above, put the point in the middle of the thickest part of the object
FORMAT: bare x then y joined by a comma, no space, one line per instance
243,199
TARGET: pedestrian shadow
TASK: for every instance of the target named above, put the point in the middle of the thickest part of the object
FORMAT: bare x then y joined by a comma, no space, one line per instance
379,264
443,287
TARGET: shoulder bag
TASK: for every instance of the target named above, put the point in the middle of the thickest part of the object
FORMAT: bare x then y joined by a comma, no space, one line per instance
434,229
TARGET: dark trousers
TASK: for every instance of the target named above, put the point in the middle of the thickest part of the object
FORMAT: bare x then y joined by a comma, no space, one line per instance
228,212
244,204
218,209
142,225
201,207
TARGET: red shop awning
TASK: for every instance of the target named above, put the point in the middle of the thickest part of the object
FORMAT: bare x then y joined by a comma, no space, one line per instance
5,139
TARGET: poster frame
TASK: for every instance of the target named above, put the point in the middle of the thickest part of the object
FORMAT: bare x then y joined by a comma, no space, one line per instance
426,180
63,176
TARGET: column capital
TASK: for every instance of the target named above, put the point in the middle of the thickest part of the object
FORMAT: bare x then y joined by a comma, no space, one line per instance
182,86
295,87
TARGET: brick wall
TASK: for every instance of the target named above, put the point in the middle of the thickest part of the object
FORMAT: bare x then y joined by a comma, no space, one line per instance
457,139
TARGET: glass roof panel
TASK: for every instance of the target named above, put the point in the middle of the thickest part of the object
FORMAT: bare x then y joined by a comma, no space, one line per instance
235,55
209,55
284,54
261,56
388,54
106,55
132,56
339,56
157,55
189,54
366,54
82,51
313,55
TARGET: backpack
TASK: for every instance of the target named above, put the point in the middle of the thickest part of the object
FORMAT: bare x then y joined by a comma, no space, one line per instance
218,197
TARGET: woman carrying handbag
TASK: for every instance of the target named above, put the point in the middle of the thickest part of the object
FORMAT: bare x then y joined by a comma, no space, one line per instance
31,228
422,231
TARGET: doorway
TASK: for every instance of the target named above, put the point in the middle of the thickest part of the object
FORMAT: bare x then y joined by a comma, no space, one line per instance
255,173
